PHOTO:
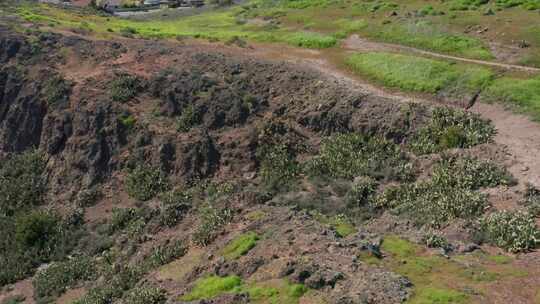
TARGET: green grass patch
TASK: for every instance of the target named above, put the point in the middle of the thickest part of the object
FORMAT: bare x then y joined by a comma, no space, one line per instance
430,295
523,94
500,259
311,40
416,74
240,246
211,287
340,223
424,35
274,291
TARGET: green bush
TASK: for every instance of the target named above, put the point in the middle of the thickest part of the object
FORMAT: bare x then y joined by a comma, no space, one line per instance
56,90
131,219
165,254
146,295
116,282
351,155
531,200
22,182
515,231
124,87
278,167
450,128
362,192
18,299
212,219
174,205
427,203
144,182
38,230
60,276
433,240
469,173
188,119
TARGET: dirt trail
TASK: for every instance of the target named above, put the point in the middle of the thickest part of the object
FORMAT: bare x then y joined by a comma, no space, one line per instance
355,43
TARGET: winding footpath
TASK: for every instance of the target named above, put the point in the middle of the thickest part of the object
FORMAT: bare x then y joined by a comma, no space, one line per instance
355,43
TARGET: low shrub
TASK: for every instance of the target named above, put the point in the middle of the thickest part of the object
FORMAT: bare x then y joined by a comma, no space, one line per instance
351,155
427,203
174,205
18,299
469,173
531,200
133,220
124,87
278,167
515,231
37,230
434,240
22,182
60,276
146,295
166,253
450,128
56,90
145,182
188,119
212,219
362,192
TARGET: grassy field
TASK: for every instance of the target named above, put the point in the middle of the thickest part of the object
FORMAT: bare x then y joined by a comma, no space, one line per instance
521,94
418,74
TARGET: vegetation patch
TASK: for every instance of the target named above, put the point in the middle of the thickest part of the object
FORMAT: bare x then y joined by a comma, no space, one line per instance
146,295
165,254
523,94
22,182
515,231
422,34
56,90
417,74
144,182
427,203
469,173
212,220
274,291
124,87
311,40
340,223
278,167
60,276
450,128
211,287
351,155
188,119
240,246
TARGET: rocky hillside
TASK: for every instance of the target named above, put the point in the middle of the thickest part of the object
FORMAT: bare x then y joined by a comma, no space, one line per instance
140,171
